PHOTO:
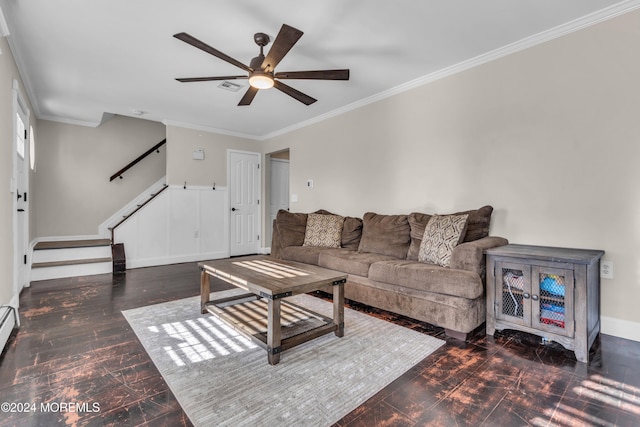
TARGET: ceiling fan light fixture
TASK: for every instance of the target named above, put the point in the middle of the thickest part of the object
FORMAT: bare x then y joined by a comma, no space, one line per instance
261,80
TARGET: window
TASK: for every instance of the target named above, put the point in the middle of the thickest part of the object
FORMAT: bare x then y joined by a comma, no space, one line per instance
20,136
32,149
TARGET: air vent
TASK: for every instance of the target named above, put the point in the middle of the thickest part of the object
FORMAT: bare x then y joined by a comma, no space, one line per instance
233,87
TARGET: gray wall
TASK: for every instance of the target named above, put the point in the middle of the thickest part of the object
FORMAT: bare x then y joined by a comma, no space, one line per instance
548,136
72,190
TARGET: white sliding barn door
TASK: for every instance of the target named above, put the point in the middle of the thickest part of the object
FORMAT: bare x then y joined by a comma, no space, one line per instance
244,202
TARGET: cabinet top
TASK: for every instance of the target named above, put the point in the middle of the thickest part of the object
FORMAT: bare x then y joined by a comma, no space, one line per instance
576,256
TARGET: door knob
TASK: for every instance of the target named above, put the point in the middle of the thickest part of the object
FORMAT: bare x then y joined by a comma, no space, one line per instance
234,209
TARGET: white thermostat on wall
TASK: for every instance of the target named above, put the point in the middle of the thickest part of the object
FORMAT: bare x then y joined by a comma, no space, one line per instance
198,154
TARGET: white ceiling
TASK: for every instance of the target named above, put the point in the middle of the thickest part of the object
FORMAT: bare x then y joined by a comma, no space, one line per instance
81,59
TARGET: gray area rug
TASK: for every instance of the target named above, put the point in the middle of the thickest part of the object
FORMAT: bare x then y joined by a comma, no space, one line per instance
221,378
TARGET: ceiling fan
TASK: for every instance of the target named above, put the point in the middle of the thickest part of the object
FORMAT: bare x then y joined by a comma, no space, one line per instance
260,71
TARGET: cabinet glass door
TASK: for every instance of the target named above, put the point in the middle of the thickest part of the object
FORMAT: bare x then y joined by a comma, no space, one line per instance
553,300
513,289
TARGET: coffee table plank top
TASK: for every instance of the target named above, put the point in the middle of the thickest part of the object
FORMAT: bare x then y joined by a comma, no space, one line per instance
269,277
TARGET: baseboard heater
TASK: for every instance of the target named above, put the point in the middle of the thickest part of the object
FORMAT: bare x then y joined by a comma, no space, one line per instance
8,321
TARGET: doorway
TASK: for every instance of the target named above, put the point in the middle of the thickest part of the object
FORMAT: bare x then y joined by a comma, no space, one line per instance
278,188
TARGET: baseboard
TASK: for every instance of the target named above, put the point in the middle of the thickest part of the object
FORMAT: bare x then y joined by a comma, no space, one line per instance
620,328
264,251
15,302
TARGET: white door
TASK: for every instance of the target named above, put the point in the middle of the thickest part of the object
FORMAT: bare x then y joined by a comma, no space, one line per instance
21,199
244,202
279,191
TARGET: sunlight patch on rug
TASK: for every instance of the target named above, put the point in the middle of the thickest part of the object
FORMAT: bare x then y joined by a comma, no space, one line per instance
221,377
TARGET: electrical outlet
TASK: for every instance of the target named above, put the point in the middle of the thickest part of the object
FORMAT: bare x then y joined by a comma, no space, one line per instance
606,269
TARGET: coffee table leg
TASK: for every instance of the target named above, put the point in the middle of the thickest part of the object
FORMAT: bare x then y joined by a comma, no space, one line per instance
274,333
338,308
205,290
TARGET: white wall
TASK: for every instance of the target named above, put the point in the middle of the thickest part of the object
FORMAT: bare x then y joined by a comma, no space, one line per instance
74,163
548,136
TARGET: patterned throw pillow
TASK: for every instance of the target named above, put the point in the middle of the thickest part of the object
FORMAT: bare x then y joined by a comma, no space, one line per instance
441,235
323,230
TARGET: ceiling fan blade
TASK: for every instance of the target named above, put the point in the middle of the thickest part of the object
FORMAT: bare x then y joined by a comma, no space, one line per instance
315,75
294,93
187,38
286,38
208,79
248,96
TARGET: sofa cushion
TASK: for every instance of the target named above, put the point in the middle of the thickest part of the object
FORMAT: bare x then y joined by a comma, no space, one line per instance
350,262
417,223
428,277
323,230
477,227
385,235
351,230
291,228
441,235
351,233
305,254
478,223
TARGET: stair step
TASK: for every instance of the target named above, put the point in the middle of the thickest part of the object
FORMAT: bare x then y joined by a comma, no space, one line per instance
66,244
69,262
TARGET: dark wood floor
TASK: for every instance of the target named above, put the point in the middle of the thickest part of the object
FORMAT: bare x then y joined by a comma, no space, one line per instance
74,346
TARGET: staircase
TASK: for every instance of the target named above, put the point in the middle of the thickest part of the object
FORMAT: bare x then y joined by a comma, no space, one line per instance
70,258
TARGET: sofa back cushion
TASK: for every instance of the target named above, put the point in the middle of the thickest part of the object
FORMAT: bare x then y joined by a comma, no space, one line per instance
385,234
417,223
291,228
351,233
478,224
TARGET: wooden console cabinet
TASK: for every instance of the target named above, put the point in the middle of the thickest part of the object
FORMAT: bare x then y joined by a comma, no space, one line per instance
551,292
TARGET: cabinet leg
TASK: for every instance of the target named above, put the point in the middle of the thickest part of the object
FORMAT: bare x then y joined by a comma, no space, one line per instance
582,355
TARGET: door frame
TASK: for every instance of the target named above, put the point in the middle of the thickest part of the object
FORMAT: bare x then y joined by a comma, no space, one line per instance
20,107
230,192
269,194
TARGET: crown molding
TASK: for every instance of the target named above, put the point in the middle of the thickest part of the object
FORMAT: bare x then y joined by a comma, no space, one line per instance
202,128
526,43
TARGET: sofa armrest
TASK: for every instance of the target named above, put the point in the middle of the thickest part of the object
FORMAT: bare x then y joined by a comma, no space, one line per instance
276,244
470,255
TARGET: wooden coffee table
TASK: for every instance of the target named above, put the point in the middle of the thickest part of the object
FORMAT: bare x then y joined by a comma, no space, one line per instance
267,282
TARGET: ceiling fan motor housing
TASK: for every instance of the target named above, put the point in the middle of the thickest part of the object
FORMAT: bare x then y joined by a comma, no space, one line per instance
261,39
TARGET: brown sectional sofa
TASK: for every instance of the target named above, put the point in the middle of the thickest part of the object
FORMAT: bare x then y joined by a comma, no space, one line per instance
380,254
